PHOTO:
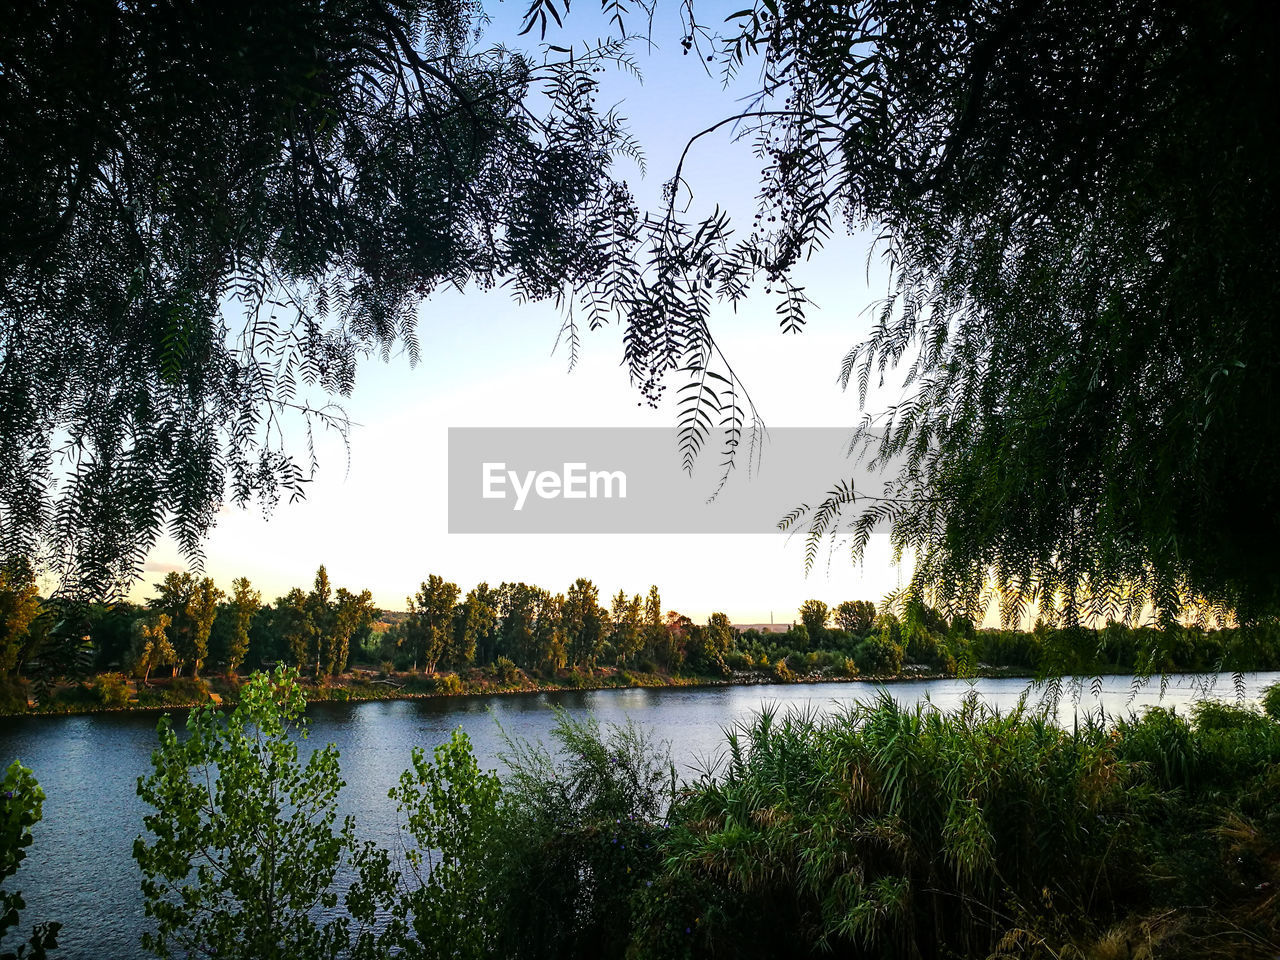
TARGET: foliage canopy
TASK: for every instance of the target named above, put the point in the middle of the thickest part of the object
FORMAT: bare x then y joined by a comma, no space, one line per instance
313,169
1075,203
242,853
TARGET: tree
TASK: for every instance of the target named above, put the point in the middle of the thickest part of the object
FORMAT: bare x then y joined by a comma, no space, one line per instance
483,605
1075,202
245,605
429,628
151,646
324,168
295,627
19,607
814,616
475,621
202,611
626,626
674,642
352,612
191,606
855,616
111,631
551,647
451,808
518,612
720,635
242,855
320,613
655,628
583,622
21,805
708,645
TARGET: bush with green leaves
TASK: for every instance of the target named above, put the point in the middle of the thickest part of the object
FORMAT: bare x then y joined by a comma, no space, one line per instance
909,832
446,684
576,838
450,807
111,690
879,655
21,802
244,848
1271,701
506,671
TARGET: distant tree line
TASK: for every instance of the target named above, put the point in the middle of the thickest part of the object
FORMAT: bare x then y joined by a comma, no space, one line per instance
192,627
882,643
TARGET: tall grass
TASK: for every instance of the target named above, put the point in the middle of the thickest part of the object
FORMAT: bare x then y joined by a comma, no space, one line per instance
908,832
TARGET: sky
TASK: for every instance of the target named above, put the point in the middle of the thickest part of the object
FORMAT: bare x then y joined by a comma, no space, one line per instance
376,514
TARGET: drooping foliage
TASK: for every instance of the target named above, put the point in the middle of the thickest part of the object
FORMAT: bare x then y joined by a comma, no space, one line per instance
1075,206
207,219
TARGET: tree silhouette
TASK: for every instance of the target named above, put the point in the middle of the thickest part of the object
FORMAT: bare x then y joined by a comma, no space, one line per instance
206,220
1075,203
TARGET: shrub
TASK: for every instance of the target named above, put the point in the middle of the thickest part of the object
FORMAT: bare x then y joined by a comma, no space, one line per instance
879,656
577,841
848,667
13,696
223,871
1271,701
447,684
1218,715
111,690
76,695
183,691
21,802
450,808
781,672
506,671
874,833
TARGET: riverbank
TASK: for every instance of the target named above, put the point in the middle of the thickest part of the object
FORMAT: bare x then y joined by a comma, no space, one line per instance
113,692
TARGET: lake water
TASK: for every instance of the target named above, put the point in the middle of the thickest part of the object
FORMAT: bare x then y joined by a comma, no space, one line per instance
80,871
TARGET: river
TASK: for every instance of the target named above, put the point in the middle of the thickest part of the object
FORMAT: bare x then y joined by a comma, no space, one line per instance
80,871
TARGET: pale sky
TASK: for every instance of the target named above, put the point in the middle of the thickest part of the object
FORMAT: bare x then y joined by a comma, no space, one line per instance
380,521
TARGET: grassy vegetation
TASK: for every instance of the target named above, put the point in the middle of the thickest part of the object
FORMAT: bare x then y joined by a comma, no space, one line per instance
907,832
115,691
